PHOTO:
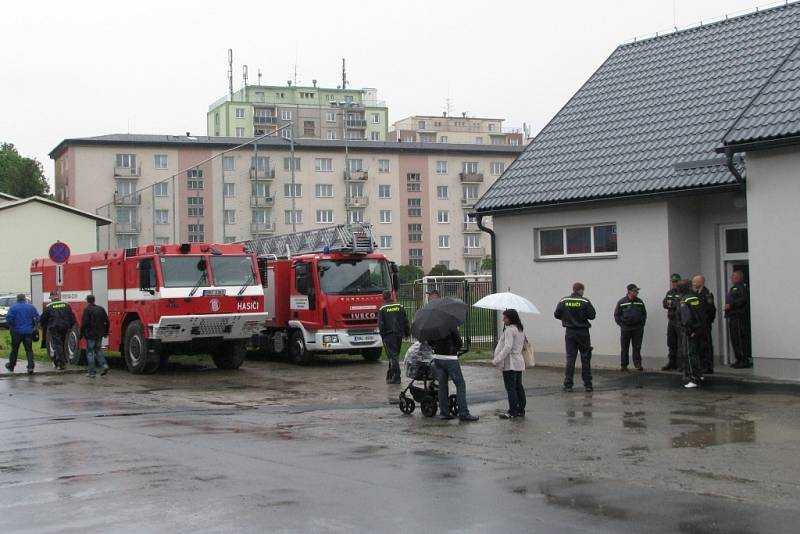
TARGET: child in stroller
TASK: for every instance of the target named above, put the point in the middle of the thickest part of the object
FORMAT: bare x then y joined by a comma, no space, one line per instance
419,367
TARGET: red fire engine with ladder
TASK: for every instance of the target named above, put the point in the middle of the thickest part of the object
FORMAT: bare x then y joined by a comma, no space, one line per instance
161,300
322,292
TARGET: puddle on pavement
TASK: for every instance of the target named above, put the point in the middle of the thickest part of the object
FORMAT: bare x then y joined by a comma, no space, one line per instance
563,494
634,421
711,434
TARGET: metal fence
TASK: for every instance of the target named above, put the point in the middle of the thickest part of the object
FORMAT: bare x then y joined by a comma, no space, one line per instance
479,331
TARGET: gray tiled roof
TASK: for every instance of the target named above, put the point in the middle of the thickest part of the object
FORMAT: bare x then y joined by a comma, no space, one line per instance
649,119
775,111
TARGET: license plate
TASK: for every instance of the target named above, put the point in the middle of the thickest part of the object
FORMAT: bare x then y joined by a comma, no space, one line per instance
213,292
363,339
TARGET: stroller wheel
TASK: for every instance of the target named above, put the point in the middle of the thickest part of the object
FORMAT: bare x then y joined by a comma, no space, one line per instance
429,407
407,405
452,405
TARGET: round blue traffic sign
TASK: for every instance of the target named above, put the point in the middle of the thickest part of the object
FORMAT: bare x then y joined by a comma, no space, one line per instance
59,252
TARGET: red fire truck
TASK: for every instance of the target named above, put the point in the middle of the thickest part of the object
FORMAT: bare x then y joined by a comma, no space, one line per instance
322,292
162,300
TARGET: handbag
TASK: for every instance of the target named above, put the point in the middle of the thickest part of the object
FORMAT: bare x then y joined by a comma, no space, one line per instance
528,354
35,335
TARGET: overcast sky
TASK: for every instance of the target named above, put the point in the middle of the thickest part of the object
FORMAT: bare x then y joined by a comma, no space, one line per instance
84,68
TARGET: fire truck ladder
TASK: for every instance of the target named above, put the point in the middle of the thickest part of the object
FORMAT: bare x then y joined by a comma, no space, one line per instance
353,238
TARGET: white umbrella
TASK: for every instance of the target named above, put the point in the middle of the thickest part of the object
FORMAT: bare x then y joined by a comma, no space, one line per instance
505,301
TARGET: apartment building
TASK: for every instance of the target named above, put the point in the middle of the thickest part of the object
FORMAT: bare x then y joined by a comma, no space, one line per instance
161,189
314,113
459,130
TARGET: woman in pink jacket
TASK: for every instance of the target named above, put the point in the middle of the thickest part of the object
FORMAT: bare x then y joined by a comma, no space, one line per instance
508,358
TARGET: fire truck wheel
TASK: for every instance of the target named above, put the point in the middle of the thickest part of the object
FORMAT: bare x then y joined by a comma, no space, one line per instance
72,348
135,349
372,355
230,355
297,349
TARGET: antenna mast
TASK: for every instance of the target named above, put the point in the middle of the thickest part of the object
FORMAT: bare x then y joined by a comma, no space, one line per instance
230,74
344,75
244,75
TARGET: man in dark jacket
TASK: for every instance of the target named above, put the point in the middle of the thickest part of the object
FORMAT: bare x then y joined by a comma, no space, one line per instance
709,311
737,311
94,327
393,326
670,303
57,319
21,320
693,331
575,312
630,314
447,368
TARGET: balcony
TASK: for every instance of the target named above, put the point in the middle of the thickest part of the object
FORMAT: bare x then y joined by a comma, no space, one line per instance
259,120
467,202
471,176
262,228
471,228
262,202
127,172
360,175
132,199
477,252
357,124
262,174
359,202
127,228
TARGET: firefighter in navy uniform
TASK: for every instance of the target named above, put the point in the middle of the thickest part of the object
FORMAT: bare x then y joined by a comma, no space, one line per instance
575,312
57,320
692,331
393,326
630,315
737,312
670,303
709,311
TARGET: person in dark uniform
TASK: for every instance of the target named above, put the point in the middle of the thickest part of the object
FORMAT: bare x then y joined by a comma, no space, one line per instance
737,312
631,315
692,329
393,326
709,311
670,303
57,319
575,312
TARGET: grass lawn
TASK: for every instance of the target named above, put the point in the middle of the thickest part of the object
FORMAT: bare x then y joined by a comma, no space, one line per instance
39,353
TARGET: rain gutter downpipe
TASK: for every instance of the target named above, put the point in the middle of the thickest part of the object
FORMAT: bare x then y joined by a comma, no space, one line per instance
493,250
731,167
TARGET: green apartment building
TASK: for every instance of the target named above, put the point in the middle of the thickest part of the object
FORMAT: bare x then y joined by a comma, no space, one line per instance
315,112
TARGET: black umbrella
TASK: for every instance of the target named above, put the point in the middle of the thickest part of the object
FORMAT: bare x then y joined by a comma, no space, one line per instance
436,319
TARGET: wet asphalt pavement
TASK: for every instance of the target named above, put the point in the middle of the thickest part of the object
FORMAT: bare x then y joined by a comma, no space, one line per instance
278,448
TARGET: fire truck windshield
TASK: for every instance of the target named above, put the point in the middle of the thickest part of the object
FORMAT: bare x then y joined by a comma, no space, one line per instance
181,271
232,270
352,277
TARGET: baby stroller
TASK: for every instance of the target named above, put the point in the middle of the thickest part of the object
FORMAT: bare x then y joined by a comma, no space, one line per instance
419,365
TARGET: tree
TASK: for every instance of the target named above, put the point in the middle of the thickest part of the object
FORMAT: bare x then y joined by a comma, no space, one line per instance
441,270
487,262
20,176
409,273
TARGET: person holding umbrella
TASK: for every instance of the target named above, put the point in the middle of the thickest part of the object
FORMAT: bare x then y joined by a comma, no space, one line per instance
437,323
508,358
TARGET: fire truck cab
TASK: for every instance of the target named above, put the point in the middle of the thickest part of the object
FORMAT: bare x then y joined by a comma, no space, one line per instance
323,290
161,300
